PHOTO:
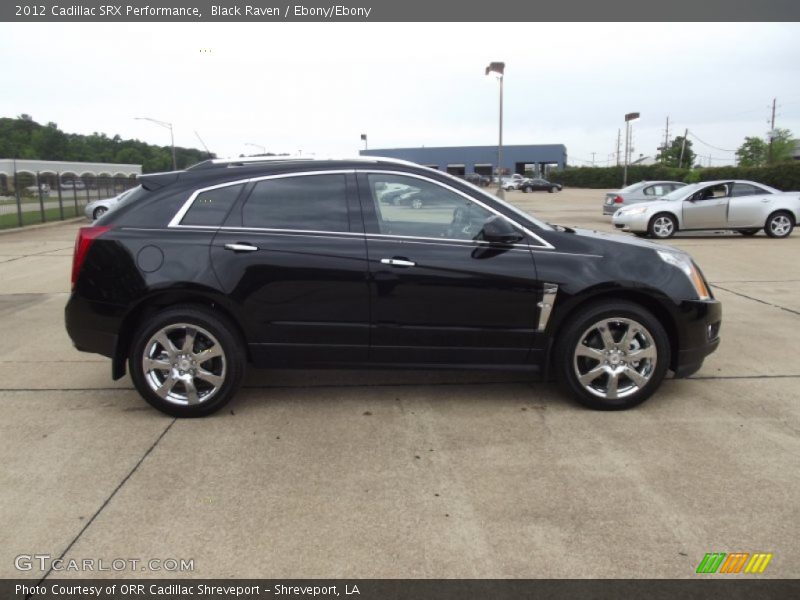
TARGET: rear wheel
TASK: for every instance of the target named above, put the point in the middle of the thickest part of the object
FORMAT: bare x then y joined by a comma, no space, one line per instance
187,361
662,226
612,355
779,225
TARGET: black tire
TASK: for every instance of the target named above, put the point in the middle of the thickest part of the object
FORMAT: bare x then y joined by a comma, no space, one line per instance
618,315
99,212
203,321
779,224
657,227
749,232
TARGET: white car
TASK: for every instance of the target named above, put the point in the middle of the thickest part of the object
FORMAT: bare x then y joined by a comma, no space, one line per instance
95,210
743,206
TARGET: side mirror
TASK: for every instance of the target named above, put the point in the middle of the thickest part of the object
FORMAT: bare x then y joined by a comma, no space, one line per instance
498,230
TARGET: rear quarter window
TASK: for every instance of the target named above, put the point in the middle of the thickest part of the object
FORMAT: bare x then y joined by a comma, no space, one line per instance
212,206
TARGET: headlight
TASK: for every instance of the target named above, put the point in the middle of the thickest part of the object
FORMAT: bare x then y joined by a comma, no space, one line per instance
685,264
638,210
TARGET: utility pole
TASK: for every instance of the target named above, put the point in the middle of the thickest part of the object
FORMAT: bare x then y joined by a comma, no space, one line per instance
666,142
619,139
772,130
683,148
593,153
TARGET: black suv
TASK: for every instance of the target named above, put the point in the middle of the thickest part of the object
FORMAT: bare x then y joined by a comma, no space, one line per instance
290,262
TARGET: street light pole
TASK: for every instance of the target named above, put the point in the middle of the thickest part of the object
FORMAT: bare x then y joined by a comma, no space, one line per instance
628,118
166,125
499,68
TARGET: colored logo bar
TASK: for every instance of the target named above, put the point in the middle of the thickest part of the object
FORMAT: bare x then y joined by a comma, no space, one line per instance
735,562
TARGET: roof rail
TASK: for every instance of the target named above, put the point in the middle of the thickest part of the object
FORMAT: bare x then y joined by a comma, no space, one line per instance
222,163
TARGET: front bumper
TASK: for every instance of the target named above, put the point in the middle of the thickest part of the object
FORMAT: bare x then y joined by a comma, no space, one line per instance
628,222
698,331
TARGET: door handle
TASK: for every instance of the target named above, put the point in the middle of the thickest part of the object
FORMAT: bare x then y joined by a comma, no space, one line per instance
239,247
398,262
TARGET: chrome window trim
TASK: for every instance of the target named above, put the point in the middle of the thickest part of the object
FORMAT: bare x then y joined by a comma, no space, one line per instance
542,244
176,220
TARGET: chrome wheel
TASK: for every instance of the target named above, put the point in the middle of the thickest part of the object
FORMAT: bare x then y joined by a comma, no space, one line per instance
780,225
184,364
615,358
663,226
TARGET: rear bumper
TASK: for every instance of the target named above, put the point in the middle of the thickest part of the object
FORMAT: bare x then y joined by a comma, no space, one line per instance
610,209
699,329
92,326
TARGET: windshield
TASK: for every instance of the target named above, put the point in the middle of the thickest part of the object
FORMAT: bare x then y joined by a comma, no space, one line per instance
511,207
682,192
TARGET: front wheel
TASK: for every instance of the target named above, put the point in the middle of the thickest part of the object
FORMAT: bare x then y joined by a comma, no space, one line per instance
526,189
779,225
187,361
612,355
662,226
553,190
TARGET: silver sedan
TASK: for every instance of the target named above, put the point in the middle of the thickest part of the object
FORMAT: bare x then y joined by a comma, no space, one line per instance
95,210
743,206
643,191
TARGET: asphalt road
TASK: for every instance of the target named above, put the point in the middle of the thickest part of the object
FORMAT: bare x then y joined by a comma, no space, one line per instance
406,474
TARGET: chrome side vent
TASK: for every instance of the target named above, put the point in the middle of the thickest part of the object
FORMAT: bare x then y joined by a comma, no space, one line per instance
546,305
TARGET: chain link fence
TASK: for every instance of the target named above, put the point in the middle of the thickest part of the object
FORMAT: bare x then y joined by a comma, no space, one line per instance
29,198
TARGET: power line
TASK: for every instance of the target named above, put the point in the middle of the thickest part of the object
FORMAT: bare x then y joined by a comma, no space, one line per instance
691,133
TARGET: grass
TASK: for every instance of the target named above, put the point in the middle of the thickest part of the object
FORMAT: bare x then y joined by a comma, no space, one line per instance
10,220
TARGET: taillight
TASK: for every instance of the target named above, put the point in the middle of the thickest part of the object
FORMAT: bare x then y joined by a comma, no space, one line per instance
618,200
86,235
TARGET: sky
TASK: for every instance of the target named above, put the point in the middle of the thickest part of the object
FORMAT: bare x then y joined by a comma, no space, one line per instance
314,88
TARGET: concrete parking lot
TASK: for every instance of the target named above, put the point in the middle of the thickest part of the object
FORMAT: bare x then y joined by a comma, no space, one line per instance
407,474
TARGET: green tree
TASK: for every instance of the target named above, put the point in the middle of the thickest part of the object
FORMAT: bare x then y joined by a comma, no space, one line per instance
752,153
782,146
671,155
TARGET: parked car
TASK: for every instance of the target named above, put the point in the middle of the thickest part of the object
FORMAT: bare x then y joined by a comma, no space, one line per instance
478,179
743,206
638,192
96,209
297,263
34,189
73,184
512,180
538,184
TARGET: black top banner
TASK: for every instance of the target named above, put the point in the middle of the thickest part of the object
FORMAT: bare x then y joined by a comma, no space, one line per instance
401,10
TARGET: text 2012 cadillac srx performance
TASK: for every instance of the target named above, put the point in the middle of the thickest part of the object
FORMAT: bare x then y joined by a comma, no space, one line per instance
295,262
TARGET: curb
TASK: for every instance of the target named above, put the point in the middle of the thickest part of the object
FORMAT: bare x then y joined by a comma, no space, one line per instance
40,226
